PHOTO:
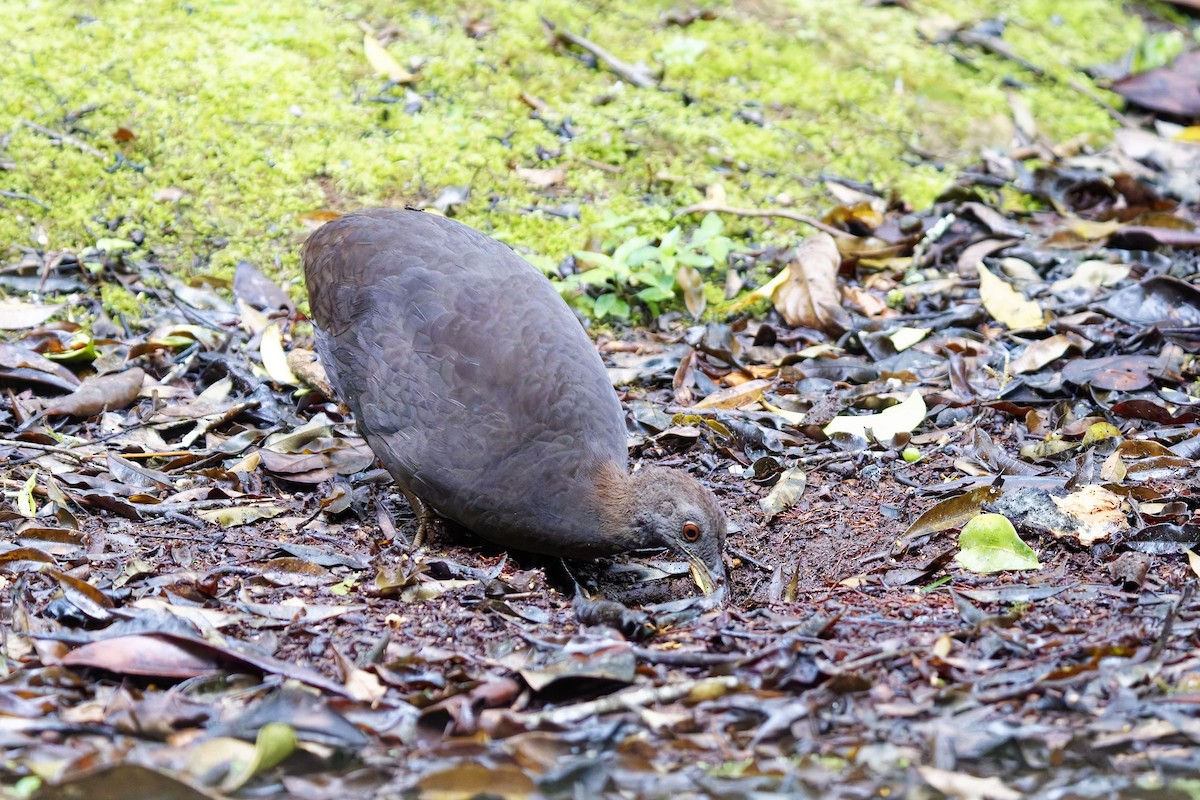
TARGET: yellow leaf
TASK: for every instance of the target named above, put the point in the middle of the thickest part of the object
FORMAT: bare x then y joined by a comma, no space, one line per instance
1189,134
735,396
26,505
383,63
274,359
1007,305
905,337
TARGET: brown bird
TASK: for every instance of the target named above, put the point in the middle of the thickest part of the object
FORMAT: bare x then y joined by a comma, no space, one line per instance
479,391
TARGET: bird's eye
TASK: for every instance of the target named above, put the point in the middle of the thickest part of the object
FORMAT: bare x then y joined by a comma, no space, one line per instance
691,531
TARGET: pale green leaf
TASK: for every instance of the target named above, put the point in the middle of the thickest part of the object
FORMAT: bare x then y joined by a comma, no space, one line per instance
989,543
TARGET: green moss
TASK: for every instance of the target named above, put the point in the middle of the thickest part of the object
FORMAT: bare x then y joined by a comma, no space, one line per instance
119,301
260,112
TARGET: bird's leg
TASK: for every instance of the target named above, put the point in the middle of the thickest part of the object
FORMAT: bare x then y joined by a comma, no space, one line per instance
425,515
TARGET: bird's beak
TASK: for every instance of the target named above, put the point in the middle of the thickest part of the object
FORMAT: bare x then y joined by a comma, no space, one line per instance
709,583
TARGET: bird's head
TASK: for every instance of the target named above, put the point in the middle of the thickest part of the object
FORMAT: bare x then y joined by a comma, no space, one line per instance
671,509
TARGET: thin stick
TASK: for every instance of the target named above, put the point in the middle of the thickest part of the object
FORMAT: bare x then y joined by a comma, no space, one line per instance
64,138
636,74
766,212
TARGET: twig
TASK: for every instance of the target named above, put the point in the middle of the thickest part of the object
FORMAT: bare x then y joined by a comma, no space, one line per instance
629,700
600,165
191,505
996,47
765,212
26,197
64,138
684,658
744,556
636,74
82,458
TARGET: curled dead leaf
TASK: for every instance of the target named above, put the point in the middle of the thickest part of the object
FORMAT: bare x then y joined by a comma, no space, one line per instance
542,178
810,296
100,393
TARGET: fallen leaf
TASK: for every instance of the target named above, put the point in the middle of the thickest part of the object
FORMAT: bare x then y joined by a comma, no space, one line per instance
691,282
989,543
1040,353
152,656
1006,304
274,743
240,515
949,513
967,787
1099,513
383,62
15,315
784,493
100,393
274,359
1092,275
900,418
735,396
810,296
542,178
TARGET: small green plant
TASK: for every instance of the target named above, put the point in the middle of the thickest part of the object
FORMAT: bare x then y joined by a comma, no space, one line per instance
652,270
1157,50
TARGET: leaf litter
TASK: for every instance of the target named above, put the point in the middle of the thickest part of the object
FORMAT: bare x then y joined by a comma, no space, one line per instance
208,589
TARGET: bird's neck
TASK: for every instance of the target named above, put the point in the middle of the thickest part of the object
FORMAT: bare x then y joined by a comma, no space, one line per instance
613,497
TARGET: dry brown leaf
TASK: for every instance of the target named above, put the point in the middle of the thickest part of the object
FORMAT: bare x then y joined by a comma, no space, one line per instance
143,655
542,178
1041,353
100,393
691,282
274,359
15,315
810,296
304,364
735,396
867,303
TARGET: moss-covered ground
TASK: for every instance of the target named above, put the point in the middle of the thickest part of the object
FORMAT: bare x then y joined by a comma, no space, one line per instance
215,126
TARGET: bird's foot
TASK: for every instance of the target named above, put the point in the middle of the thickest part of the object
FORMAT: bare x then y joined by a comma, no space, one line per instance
426,518
634,624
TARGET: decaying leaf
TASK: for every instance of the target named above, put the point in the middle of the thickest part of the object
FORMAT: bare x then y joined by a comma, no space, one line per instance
691,282
1042,352
1092,275
784,493
304,364
735,396
100,393
16,315
810,295
949,513
1098,512
233,516
115,780
152,656
542,178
